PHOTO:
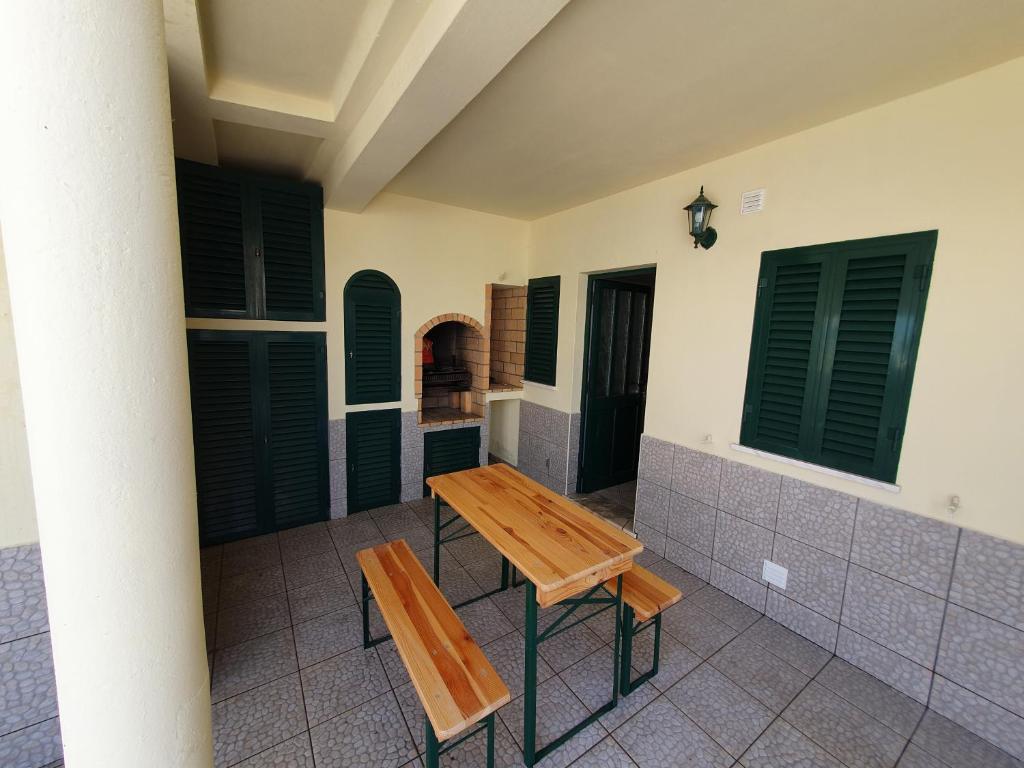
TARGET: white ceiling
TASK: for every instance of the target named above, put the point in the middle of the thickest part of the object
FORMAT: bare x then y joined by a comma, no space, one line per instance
366,94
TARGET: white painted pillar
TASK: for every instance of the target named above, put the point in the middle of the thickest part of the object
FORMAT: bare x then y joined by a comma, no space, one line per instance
90,231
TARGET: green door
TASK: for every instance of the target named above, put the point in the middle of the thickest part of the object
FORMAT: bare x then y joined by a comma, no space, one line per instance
450,450
615,382
373,442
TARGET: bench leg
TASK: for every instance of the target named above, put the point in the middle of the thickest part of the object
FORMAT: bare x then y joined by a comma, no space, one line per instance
366,610
490,740
433,749
629,631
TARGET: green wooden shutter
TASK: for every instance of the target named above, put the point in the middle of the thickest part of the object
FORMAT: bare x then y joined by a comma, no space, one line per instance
542,295
373,440
224,435
372,339
836,333
450,450
210,220
297,444
290,217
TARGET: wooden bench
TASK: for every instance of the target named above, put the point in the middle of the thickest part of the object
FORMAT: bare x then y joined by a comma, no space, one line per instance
644,597
456,683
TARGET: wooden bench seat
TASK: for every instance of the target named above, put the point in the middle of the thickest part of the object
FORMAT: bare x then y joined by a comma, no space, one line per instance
647,594
644,597
455,682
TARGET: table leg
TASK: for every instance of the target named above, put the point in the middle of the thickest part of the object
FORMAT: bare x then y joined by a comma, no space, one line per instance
530,683
437,540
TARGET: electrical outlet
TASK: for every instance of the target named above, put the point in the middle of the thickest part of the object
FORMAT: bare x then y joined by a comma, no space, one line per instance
775,574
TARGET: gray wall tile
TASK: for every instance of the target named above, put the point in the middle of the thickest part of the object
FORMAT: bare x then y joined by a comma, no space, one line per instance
904,546
22,594
652,539
989,578
888,666
816,579
739,586
984,656
742,546
695,562
817,516
696,474
28,689
656,460
338,475
652,503
336,439
803,621
692,523
750,493
1002,728
901,618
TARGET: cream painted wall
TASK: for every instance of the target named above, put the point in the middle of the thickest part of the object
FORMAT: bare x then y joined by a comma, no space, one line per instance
949,159
441,257
504,429
17,504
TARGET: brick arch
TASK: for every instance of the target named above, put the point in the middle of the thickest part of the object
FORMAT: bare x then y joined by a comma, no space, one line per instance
479,367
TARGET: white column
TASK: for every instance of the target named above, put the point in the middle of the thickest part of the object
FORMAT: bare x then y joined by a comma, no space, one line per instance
90,231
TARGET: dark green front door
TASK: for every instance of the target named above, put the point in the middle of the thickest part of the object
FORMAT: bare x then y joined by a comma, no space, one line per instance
615,381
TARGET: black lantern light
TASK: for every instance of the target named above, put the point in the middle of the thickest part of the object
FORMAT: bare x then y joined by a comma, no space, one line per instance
699,212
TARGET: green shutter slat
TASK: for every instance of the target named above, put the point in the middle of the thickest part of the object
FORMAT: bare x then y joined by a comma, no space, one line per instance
220,379
542,300
297,429
373,450
372,339
451,450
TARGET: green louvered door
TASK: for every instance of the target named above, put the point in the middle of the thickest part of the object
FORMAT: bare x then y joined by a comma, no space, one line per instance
373,440
259,422
836,333
297,427
372,339
450,450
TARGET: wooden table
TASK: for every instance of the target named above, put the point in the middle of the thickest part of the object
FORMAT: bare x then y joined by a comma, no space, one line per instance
565,553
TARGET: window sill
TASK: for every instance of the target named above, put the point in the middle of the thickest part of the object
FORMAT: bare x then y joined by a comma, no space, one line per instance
890,487
539,385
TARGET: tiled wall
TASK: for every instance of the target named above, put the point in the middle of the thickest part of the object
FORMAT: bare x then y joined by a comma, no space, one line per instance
544,446
935,611
507,326
338,472
29,728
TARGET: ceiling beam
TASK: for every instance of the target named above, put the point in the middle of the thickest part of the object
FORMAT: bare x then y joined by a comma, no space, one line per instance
192,122
455,51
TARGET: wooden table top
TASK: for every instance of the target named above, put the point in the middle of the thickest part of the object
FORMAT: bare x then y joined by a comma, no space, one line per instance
558,545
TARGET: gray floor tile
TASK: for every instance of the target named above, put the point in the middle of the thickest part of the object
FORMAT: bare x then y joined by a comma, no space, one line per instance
341,683
310,570
328,635
783,746
788,646
557,710
675,659
472,753
254,721
915,757
506,655
764,676
683,580
250,585
697,629
856,739
307,541
726,712
294,753
725,608
28,689
319,598
354,530
565,649
957,747
252,663
397,674
250,555
36,745
871,695
373,735
396,522
661,736
484,621
606,754
248,620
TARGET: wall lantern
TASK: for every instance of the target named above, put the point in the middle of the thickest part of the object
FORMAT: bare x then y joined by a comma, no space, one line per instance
699,212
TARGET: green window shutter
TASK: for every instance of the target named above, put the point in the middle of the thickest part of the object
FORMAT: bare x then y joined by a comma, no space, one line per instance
450,450
291,224
210,221
297,434
224,435
373,440
835,341
542,295
373,367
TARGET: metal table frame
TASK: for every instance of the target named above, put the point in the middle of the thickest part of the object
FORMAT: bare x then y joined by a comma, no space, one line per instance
531,753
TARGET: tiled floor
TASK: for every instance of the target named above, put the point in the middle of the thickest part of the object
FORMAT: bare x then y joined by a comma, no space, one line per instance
292,686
